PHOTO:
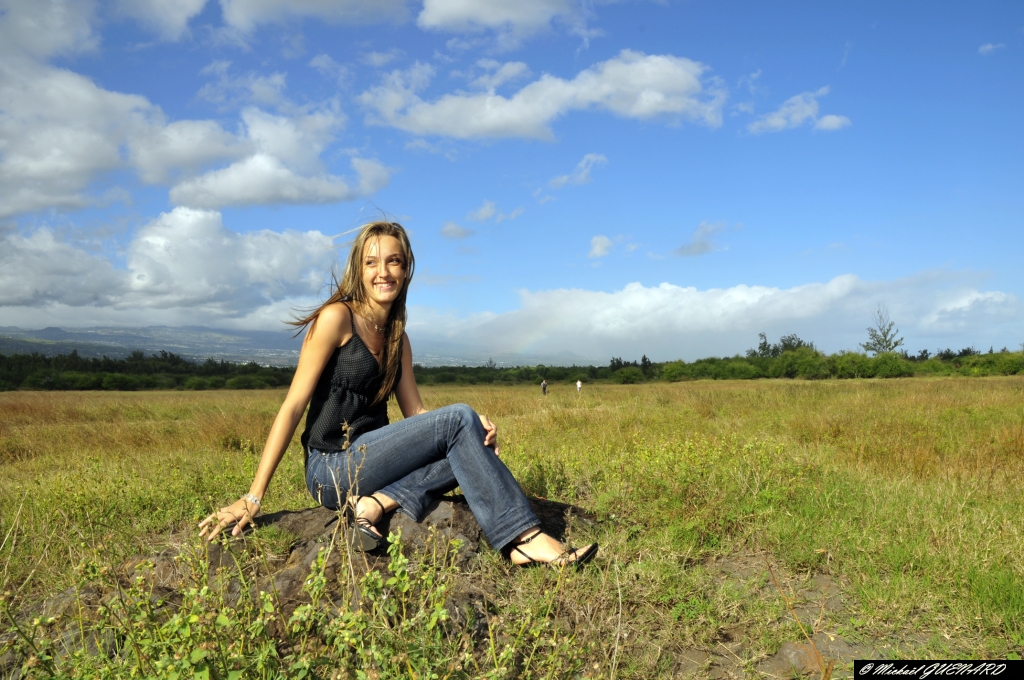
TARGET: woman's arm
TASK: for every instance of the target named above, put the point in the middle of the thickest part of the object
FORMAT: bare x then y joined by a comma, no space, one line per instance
408,396
329,330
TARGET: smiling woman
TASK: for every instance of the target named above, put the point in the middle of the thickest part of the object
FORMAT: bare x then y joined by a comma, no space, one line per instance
356,354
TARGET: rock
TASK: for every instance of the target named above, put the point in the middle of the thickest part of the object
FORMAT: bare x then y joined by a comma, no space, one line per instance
794,657
302,534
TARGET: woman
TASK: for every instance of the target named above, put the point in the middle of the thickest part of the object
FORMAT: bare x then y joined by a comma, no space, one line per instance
354,357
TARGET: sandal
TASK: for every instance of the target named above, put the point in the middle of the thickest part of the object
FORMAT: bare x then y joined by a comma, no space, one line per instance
362,537
563,560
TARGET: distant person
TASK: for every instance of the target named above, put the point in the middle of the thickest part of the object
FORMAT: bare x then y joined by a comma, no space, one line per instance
544,387
355,355
579,386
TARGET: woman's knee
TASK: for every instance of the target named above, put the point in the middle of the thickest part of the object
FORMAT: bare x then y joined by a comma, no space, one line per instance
465,413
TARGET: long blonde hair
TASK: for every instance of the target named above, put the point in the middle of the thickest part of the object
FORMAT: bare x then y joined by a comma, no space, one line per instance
350,288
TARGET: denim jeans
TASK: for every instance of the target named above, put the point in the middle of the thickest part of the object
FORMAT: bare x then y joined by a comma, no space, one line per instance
415,460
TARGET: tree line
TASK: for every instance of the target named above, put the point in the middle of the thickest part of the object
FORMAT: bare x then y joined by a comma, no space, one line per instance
790,357
164,370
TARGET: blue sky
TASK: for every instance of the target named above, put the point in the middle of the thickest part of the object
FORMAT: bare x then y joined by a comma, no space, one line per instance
595,179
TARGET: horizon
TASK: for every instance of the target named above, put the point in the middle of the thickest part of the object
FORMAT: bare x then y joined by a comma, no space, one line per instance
667,179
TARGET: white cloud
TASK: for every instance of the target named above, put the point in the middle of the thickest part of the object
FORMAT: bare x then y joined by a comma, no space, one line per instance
632,85
701,242
36,29
229,91
187,258
831,122
509,22
463,16
501,217
669,321
599,246
500,73
582,173
262,179
169,18
245,15
453,231
484,212
184,267
58,131
796,111
39,269
182,146
378,59
330,68
489,209
989,48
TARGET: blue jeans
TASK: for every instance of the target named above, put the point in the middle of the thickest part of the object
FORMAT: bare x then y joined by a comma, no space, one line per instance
419,458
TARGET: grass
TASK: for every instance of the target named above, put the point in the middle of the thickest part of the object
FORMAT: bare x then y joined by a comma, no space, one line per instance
906,492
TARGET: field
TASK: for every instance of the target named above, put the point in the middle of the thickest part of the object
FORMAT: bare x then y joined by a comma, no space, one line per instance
890,511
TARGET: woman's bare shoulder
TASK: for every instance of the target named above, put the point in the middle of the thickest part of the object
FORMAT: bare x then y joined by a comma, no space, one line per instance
333,323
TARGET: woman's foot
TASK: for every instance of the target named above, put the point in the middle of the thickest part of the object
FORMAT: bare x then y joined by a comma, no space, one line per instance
535,547
367,512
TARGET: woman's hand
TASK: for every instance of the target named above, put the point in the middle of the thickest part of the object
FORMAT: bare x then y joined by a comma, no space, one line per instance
240,513
492,434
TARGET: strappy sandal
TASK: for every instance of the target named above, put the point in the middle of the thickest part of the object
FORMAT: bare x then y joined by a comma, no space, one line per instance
362,537
563,560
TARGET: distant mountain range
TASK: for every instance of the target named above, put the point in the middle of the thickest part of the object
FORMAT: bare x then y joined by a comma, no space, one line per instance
271,348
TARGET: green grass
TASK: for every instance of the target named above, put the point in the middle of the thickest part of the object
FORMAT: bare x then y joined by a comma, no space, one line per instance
905,492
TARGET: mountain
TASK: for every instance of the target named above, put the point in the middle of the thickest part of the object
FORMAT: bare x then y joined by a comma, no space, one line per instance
272,348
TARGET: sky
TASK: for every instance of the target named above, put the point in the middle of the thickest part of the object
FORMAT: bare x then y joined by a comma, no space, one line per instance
584,179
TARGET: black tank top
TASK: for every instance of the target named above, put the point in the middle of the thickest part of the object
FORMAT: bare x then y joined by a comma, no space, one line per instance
344,396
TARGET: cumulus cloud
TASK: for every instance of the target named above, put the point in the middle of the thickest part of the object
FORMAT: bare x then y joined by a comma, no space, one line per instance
182,146
582,173
631,85
330,68
797,111
228,90
701,242
453,231
670,321
484,212
262,179
508,22
34,29
378,59
600,246
499,74
169,18
245,15
501,217
58,131
489,209
989,48
185,260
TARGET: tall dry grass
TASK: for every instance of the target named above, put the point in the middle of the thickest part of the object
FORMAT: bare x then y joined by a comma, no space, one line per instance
906,490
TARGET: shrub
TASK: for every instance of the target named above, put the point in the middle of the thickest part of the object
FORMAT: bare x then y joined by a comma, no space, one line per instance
675,371
120,382
803,362
628,375
851,365
245,382
892,365
196,384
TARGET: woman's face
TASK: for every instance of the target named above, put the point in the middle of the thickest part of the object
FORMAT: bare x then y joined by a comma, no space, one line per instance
383,269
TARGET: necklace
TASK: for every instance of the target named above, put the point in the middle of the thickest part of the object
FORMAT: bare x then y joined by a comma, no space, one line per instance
374,324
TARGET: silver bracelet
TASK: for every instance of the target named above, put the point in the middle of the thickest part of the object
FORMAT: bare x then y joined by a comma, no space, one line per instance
251,497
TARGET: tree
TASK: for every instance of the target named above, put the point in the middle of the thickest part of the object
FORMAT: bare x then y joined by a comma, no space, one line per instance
882,336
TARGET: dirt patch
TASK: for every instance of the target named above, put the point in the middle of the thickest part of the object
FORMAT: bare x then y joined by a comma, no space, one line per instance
818,601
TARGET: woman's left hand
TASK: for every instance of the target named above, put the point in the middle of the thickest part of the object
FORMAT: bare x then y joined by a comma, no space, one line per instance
492,434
